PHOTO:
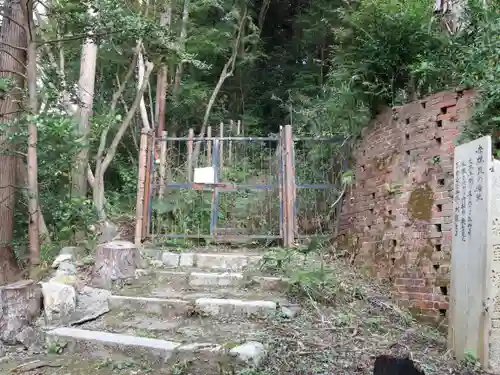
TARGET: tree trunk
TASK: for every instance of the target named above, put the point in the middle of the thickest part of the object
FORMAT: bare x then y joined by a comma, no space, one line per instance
33,214
22,181
182,43
12,67
161,85
115,262
86,96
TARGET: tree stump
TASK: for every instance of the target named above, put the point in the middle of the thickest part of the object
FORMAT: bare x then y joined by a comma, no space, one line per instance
20,305
115,263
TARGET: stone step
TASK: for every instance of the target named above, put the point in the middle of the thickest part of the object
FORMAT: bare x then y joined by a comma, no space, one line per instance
205,306
203,358
206,261
184,329
196,279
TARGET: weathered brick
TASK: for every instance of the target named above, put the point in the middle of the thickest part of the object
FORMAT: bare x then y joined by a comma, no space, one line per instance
403,152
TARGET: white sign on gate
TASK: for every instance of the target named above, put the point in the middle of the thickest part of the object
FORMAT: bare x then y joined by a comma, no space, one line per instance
469,321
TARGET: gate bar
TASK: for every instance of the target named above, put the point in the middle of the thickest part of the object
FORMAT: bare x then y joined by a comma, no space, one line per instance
215,192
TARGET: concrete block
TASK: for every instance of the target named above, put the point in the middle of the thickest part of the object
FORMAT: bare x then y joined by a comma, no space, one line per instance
228,307
99,344
159,306
215,279
170,259
230,262
187,260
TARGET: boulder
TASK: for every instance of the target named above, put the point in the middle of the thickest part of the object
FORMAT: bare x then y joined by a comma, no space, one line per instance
251,353
91,303
59,302
68,254
65,269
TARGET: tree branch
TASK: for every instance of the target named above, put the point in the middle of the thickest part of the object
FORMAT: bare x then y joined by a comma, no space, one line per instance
12,46
23,76
227,71
126,122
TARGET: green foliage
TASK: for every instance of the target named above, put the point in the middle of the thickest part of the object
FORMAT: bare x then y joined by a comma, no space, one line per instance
326,67
310,276
478,61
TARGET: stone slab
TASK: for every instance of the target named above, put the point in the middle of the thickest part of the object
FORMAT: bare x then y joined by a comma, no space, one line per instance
99,344
205,358
160,306
229,307
205,261
223,279
471,248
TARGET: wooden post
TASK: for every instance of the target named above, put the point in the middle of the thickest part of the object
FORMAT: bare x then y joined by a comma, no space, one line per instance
281,182
147,184
163,161
237,147
289,210
190,155
209,146
231,131
221,151
139,209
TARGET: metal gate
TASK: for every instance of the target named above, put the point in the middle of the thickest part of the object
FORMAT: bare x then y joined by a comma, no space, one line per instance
252,192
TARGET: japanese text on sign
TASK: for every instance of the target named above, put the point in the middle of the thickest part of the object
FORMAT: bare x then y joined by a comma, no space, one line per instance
469,197
479,173
457,197
463,202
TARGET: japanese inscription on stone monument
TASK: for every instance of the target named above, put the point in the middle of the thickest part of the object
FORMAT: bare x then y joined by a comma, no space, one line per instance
471,247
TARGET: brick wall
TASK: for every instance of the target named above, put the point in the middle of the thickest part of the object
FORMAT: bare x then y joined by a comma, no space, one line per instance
396,220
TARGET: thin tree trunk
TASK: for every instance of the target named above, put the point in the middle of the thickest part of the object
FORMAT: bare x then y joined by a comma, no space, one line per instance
103,162
86,83
12,66
182,43
227,71
33,229
161,85
22,181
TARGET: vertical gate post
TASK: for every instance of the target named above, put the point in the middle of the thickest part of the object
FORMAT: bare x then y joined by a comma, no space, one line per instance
281,183
289,188
139,209
147,183
215,193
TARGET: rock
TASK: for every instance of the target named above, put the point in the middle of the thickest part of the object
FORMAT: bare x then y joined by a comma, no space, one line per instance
251,352
92,303
141,272
59,302
170,259
290,311
156,263
3,351
61,258
64,279
29,337
66,268
109,232
68,254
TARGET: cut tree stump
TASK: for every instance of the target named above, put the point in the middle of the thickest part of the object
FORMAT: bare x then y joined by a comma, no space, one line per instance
115,263
20,305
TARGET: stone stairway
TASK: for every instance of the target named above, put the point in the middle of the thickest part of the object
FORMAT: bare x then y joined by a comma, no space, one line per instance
203,312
